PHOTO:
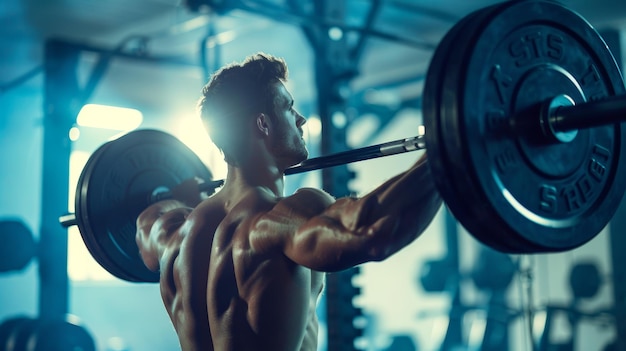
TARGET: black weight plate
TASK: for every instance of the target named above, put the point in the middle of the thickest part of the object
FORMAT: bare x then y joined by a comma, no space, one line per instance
18,245
443,67
435,275
116,186
516,192
61,335
8,331
585,280
23,329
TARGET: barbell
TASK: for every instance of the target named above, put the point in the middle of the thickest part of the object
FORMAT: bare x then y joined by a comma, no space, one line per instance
522,108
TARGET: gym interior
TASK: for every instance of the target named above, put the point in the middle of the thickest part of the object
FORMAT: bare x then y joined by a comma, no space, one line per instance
77,74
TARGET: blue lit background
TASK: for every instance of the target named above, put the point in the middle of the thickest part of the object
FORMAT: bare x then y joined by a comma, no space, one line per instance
124,316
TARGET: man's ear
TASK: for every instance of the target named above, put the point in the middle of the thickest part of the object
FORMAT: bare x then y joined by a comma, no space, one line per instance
263,124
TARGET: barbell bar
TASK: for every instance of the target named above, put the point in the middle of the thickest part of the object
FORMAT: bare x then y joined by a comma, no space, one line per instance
522,106
341,158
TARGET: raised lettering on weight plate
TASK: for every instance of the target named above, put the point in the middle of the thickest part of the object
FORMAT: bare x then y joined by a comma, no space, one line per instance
586,187
501,81
529,47
141,160
116,183
580,192
548,198
598,163
590,76
506,160
572,197
496,122
592,84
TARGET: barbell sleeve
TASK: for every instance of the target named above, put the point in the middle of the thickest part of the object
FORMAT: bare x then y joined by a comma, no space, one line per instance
589,114
361,154
68,220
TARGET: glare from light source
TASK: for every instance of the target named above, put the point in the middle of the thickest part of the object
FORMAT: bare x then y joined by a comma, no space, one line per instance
190,130
314,127
109,117
74,133
339,120
335,33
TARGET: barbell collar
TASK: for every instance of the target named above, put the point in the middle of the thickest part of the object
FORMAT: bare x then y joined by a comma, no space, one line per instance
549,112
590,114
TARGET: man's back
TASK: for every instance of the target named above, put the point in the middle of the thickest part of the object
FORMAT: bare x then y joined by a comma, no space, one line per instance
252,290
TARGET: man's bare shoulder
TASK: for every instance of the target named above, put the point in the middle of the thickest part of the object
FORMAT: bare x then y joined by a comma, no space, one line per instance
281,220
308,201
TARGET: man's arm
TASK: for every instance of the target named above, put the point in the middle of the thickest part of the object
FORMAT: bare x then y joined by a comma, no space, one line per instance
352,231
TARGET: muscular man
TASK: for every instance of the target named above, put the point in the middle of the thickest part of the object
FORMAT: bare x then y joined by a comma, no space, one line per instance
243,269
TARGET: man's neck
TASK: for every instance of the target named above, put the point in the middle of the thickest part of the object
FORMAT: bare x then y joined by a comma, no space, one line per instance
269,178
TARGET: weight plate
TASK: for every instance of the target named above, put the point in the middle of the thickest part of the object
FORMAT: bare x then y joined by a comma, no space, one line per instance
61,335
8,331
116,185
585,280
457,39
509,187
18,245
23,329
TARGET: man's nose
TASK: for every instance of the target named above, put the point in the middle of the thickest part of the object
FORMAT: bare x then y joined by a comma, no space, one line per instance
301,120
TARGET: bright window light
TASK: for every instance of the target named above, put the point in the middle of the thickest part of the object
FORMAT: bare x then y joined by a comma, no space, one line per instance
109,117
314,127
190,130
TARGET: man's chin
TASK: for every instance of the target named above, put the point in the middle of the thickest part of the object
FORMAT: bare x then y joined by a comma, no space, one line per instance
305,156
302,157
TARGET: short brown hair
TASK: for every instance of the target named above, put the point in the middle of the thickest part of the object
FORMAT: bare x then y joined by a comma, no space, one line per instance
238,91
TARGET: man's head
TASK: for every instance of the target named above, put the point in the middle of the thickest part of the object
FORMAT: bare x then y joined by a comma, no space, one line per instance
236,95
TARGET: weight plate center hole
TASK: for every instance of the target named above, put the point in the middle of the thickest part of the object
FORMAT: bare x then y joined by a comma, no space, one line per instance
549,152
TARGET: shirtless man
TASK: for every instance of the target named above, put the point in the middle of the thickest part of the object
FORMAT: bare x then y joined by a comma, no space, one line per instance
243,269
